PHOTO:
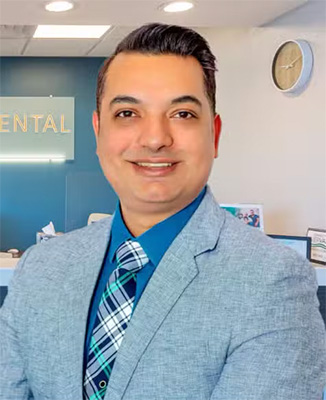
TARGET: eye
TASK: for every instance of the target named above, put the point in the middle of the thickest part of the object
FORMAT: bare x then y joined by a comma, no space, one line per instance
125,114
184,115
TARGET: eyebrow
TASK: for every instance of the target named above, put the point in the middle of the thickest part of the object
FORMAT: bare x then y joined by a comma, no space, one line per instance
187,99
124,99
177,100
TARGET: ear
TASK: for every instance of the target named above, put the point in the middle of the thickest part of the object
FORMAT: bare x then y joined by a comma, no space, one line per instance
217,133
96,126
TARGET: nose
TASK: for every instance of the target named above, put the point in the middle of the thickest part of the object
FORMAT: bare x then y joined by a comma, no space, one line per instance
155,134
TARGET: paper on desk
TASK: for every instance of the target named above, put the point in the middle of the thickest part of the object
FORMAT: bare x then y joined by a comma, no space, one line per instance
49,229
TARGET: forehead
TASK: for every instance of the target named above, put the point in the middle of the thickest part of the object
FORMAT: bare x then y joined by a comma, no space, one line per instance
160,74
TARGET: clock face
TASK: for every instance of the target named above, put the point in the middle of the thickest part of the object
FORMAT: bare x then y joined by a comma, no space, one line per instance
287,65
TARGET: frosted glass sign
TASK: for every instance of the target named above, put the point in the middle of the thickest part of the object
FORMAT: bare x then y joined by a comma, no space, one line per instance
37,126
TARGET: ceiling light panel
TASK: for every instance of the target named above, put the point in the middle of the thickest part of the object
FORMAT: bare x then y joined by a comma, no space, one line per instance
70,31
59,6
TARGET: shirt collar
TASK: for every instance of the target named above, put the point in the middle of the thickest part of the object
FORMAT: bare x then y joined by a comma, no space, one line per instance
154,241
119,233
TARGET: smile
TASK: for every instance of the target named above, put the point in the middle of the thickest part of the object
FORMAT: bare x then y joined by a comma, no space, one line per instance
154,165
154,169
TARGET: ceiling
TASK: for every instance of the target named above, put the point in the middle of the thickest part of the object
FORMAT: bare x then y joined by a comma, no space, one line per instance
19,18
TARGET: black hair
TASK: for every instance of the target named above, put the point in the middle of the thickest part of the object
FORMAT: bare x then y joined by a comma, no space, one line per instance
156,38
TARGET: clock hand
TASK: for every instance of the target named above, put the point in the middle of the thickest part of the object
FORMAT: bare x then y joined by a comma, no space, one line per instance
291,65
294,61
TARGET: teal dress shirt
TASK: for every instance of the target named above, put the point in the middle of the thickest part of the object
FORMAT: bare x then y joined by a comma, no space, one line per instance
155,242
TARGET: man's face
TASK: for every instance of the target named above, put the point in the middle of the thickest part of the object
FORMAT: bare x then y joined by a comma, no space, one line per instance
156,137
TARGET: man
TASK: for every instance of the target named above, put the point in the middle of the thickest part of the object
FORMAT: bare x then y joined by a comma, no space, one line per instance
172,298
254,219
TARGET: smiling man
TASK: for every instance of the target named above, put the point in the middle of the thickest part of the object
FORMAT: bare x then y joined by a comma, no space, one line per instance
157,135
172,297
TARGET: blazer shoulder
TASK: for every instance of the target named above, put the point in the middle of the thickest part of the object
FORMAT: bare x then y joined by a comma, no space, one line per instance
70,241
53,258
260,258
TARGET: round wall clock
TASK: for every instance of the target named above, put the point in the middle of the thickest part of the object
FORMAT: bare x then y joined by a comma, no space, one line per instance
292,66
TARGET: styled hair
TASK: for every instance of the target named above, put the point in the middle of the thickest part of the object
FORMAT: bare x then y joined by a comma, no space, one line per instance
159,39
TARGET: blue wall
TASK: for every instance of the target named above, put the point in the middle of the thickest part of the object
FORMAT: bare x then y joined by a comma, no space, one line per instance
32,195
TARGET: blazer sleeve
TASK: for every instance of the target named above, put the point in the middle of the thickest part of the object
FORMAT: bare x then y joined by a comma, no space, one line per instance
279,349
13,380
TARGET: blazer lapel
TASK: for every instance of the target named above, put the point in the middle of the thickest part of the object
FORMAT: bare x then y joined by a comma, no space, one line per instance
157,300
76,297
174,273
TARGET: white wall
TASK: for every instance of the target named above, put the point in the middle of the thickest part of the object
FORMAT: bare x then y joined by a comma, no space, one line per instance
273,147
312,14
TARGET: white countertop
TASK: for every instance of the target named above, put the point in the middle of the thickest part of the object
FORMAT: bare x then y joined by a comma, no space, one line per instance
9,262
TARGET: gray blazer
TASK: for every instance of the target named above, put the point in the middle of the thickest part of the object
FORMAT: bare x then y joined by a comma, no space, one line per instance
228,314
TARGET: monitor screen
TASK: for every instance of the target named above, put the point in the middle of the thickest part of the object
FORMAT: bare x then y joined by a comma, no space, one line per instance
302,244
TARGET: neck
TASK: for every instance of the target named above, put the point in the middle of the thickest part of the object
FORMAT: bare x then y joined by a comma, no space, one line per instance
138,222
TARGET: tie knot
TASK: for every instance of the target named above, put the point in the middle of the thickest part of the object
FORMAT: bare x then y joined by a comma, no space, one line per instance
131,256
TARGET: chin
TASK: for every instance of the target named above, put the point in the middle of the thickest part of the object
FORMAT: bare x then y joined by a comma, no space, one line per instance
156,195
156,198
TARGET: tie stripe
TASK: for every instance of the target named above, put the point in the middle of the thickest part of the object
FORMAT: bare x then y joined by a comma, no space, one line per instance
120,281
112,319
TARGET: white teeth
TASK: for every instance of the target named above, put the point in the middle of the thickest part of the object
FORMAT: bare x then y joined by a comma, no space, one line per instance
154,165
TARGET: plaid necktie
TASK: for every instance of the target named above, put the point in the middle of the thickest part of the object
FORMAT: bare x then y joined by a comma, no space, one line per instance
112,319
